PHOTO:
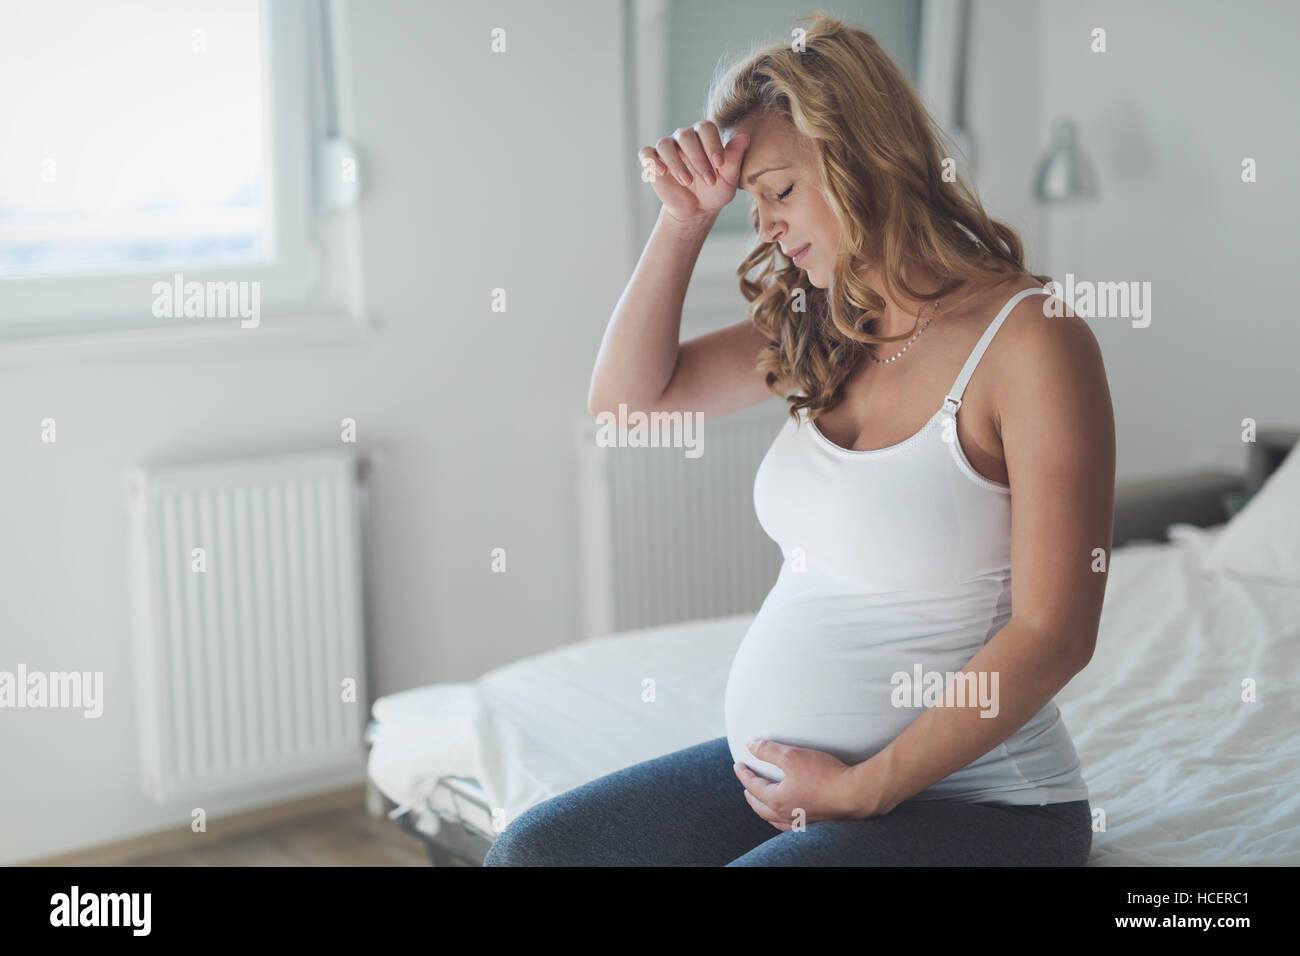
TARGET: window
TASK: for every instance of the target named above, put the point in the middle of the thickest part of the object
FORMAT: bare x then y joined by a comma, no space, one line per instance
157,162
153,146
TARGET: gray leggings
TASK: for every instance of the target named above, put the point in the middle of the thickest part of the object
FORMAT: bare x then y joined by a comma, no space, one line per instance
687,809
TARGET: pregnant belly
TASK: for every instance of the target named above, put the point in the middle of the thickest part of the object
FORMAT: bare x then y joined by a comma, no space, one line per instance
816,675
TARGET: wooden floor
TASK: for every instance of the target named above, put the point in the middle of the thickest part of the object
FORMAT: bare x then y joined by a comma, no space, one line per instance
348,837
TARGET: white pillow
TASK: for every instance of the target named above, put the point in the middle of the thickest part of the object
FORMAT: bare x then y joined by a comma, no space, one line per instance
1262,541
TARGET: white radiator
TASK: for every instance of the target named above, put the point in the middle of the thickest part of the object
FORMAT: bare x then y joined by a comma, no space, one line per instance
668,538
243,647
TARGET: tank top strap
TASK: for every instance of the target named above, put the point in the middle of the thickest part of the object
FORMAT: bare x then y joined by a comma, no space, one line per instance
953,401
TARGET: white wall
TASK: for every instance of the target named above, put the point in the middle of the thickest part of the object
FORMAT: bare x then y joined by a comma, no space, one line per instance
1184,92
1003,104
511,171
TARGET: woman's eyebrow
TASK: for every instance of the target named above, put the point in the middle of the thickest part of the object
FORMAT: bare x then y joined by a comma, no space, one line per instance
770,169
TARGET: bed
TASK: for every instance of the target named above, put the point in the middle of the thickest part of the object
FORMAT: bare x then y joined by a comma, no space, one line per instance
1185,720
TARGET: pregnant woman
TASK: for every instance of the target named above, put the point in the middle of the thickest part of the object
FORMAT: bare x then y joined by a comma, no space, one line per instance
942,492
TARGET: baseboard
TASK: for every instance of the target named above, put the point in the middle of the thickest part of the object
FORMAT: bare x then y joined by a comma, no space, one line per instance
219,829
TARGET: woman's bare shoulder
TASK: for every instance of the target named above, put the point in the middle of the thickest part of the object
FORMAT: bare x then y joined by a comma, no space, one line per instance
1042,333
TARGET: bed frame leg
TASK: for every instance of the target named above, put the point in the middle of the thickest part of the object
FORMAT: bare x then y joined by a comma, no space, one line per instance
439,856
376,803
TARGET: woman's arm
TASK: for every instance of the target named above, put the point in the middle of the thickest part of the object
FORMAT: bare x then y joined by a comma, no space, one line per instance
1058,437
639,350
640,362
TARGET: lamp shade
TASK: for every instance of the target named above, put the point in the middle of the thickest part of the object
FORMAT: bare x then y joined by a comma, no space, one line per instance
1064,173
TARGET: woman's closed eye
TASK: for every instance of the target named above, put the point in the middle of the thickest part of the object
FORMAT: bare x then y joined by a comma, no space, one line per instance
782,196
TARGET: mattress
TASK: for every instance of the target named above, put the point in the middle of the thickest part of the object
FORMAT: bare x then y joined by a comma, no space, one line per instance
1185,766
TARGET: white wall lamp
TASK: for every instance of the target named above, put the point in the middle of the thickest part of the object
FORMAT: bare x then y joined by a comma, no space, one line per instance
1064,173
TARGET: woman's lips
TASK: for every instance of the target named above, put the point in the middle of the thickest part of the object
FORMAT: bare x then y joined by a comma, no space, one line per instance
800,253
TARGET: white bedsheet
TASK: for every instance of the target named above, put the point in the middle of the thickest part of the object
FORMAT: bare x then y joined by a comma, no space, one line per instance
1186,772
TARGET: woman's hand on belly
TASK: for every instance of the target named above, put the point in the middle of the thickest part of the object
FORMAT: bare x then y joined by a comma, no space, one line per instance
817,786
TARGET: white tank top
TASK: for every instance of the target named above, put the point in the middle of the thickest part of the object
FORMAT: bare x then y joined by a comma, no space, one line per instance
897,562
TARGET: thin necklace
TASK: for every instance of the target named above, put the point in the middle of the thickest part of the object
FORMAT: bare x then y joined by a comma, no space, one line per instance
915,335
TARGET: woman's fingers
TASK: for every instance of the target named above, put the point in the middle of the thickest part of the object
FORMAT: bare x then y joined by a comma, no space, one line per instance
680,200
671,157
684,173
688,141
652,166
711,143
732,156
695,153
766,812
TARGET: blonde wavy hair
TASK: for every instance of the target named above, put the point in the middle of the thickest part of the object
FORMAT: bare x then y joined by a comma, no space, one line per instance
879,153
